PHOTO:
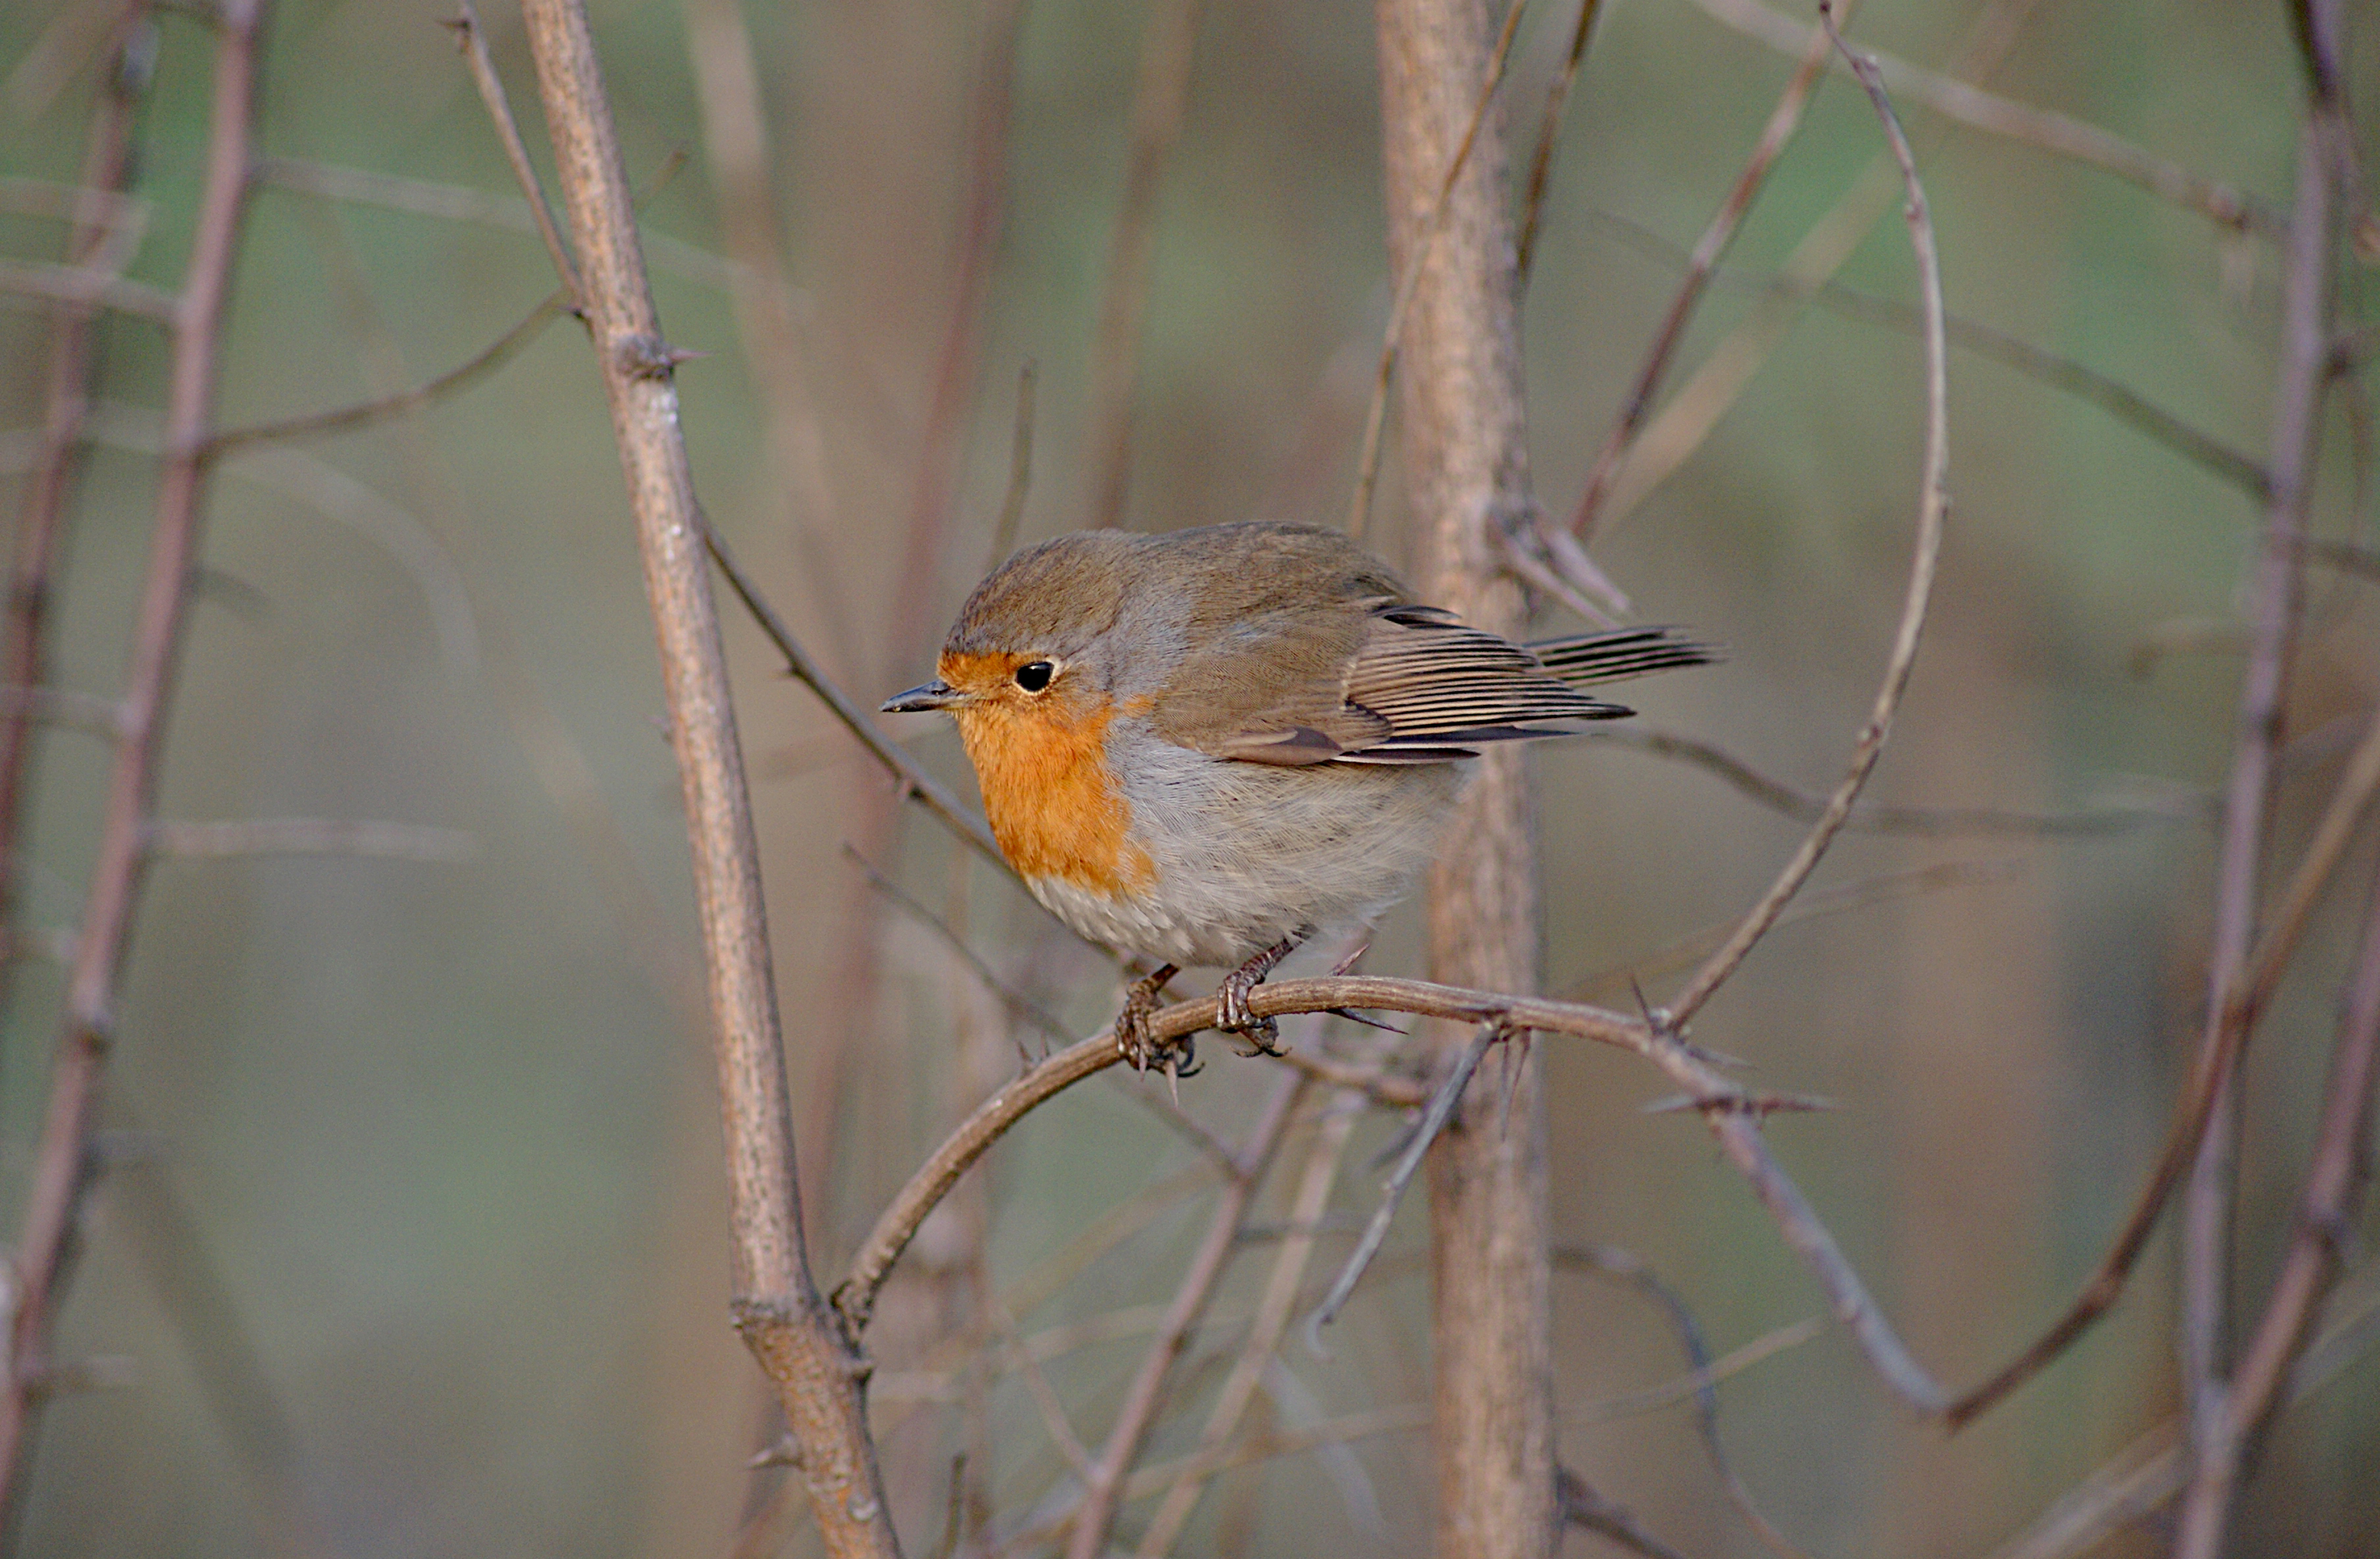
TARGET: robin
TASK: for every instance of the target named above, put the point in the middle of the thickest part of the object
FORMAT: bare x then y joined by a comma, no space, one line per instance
1205,747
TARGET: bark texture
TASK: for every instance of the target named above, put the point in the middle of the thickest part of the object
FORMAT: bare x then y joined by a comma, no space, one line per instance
1466,467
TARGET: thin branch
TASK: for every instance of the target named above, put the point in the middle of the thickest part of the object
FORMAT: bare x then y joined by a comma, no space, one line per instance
62,1163
2139,1479
1368,461
83,287
2053,132
1541,161
2209,1196
1159,99
460,203
472,39
1937,822
1581,1507
2237,981
452,383
1717,1097
914,779
311,836
1933,506
58,458
1273,1307
1434,1118
1783,120
813,1363
1103,1489
1702,1382
2326,1219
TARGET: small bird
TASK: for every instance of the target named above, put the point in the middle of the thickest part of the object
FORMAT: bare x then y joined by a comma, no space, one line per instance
1204,747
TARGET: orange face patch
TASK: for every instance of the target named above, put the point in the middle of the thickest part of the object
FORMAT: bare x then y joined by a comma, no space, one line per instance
1041,763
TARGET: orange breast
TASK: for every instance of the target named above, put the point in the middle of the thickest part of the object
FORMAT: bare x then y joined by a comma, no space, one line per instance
1046,790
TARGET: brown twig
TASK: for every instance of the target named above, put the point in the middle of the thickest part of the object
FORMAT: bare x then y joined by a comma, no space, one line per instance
86,287
62,1164
1783,120
2325,1214
1103,1490
1541,161
1274,1307
1705,1375
1738,1133
1169,40
40,515
454,382
2274,594
914,779
1933,507
1367,459
1581,1507
1939,823
2053,132
1434,1116
2236,982
473,40
813,1363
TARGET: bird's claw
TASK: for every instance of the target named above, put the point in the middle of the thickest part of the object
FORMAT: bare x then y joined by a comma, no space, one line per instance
1232,1015
1139,1048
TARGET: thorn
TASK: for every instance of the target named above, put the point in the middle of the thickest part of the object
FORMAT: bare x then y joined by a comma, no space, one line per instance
1353,1016
784,1453
1351,960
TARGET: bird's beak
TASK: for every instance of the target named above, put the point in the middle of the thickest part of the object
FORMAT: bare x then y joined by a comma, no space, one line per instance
934,695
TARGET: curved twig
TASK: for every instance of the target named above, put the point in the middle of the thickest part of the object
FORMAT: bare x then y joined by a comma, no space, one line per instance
1718,1098
1933,507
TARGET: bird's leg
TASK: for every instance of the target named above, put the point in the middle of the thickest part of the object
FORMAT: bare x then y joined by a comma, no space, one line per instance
1132,1023
1232,1014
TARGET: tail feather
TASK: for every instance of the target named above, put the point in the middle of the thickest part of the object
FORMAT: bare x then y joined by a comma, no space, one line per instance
1585,660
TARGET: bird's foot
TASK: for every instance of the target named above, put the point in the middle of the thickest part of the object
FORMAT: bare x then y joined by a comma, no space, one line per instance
1176,1058
1232,1015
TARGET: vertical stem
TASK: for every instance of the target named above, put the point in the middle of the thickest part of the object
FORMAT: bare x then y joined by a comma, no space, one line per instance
1461,409
61,1169
798,1340
24,647
2207,1195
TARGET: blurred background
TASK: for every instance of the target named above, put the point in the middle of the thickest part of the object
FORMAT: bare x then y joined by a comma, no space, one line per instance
416,1244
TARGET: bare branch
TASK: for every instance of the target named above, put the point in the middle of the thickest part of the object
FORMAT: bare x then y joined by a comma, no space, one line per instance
473,40
798,1342
454,382
1103,1489
1922,822
83,286
1434,1118
2053,132
1541,161
1783,120
62,1162
311,836
1933,507
1738,1132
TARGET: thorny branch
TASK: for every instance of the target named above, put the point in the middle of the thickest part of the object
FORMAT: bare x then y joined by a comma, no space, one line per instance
62,1163
1933,508
1725,1107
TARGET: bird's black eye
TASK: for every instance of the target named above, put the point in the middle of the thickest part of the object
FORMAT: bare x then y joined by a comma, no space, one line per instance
1034,676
